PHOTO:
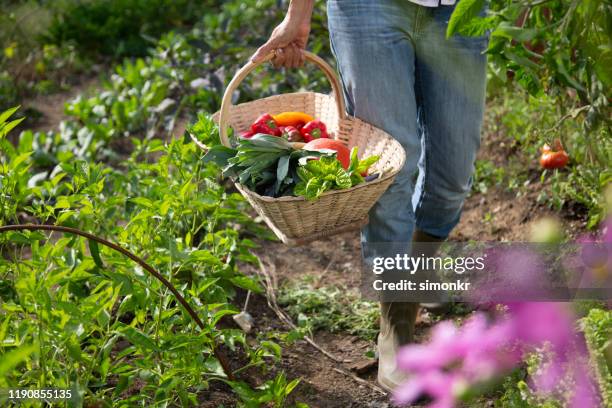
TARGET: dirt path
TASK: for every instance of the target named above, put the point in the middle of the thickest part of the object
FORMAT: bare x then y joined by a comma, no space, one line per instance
51,107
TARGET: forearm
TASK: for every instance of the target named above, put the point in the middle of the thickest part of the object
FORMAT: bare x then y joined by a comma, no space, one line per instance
289,38
300,10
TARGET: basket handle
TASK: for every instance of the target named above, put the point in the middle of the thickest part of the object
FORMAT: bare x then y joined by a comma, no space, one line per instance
226,102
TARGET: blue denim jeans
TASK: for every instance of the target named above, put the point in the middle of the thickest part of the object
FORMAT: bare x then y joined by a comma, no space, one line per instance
401,74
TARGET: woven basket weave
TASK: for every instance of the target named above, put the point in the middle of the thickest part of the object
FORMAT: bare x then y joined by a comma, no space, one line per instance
294,219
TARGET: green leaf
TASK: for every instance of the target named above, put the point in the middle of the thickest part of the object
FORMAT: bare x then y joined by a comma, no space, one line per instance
19,237
319,176
291,386
283,168
521,60
354,159
6,128
95,253
138,338
219,155
512,32
343,179
366,163
247,283
7,114
12,359
465,11
142,201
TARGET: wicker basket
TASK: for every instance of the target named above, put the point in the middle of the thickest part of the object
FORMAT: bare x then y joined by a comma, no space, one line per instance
294,219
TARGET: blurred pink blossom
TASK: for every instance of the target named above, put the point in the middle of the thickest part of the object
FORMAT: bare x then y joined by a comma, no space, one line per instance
537,322
585,393
454,359
458,358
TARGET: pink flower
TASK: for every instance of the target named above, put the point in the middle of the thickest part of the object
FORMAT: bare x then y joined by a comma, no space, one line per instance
439,385
594,266
538,322
439,352
548,377
514,272
457,359
454,359
585,394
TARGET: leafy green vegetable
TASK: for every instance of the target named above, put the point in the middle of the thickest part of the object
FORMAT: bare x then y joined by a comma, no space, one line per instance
264,164
327,173
319,176
269,165
358,167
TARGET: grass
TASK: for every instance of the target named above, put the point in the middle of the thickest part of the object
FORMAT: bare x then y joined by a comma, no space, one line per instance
330,308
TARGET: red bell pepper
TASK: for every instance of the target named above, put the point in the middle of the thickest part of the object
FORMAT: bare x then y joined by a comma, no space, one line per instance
247,134
266,124
315,129
292,134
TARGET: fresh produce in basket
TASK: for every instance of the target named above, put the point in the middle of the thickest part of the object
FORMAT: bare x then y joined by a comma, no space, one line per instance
272,166
296,119
342,152
292,134
247,134
266,124
327,173
315,129
293,126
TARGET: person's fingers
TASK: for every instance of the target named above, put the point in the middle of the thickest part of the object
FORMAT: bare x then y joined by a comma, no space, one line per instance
301,59
263,51
280,58
293,56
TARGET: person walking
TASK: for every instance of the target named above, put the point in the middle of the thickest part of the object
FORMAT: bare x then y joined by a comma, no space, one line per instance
400,73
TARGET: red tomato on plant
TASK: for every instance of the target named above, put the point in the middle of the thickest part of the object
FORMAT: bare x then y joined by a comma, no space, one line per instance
555,158
315,129
343,154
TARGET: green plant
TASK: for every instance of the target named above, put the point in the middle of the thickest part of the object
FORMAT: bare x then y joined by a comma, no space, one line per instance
27,65
555,50
597,327
486,174
272,393
78,316
120,27
263,163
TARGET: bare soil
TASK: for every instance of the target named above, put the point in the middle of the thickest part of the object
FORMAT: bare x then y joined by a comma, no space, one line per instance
51,107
